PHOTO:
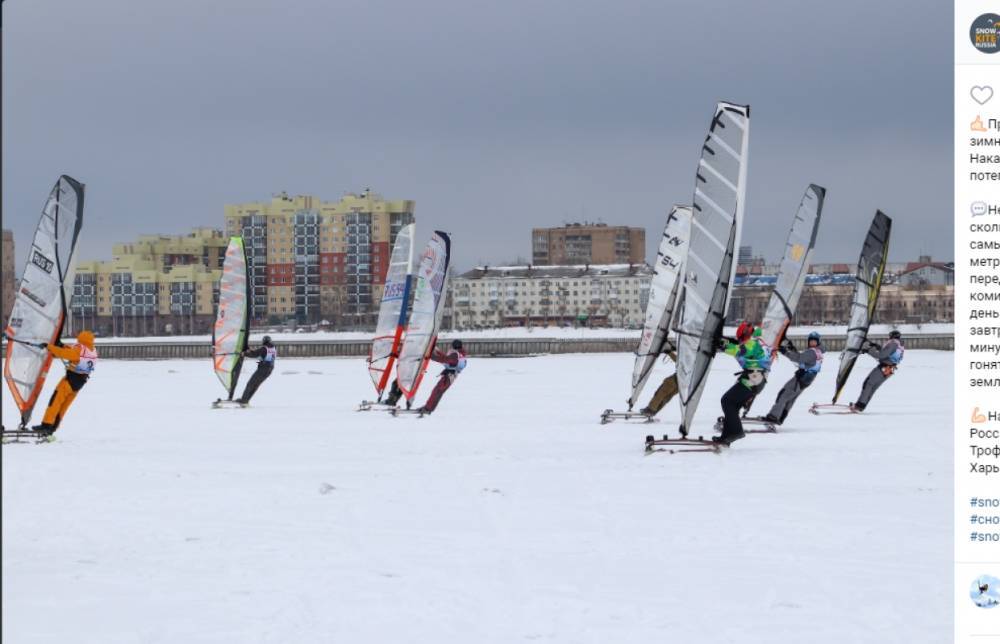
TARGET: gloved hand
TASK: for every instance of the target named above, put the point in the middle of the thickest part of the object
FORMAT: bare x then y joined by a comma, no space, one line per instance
42,345
721,344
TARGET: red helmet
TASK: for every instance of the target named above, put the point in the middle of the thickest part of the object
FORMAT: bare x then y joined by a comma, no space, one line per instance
744,332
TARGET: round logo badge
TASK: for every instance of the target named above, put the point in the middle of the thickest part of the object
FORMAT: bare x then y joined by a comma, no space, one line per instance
984,32
985,591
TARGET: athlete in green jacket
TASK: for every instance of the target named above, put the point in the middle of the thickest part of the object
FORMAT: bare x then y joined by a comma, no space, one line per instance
755,360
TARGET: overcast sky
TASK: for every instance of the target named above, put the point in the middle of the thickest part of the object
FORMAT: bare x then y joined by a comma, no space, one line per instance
494,116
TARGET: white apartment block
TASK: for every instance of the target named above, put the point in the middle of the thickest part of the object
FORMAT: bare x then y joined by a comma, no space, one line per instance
593,295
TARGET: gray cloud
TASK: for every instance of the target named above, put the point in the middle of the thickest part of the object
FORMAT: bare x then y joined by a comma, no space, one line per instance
495,117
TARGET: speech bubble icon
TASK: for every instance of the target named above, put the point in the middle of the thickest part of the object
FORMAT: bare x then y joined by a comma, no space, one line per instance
978,208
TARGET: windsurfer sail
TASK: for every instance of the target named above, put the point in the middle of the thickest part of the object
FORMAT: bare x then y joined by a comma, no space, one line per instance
867,284
43,295
716,229
392,312
663,296
232,321
794,267
430,289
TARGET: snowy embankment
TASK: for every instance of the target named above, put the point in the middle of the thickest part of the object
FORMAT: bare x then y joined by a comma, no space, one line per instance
533,332
509,515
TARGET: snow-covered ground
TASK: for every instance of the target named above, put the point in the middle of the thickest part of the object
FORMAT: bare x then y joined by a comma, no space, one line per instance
533,332
510,515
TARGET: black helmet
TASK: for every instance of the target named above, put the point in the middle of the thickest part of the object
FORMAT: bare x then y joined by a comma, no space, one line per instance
814,336
456,344
895,334
267,339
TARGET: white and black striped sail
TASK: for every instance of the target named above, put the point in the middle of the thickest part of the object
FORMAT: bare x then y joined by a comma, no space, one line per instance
392,310
867,284
716,229
794,268
663,297
430,289
43,294
231,332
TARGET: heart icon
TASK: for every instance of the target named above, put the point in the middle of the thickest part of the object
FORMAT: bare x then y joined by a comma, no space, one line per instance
981,94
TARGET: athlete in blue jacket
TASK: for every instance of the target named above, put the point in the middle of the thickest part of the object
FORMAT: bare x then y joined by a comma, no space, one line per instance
889,355
266,356
810,361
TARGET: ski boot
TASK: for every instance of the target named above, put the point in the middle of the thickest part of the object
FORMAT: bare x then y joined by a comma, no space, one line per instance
727,440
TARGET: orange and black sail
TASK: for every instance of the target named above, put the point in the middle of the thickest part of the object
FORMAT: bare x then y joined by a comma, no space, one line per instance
43,294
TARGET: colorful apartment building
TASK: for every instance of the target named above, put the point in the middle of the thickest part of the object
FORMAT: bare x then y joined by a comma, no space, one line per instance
314,260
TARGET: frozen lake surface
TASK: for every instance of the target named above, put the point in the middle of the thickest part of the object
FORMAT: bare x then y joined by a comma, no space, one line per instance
510,515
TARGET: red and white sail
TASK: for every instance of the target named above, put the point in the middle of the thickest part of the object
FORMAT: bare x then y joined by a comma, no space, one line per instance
430,288
392,312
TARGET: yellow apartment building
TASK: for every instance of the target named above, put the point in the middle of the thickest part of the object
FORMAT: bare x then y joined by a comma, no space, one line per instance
157,284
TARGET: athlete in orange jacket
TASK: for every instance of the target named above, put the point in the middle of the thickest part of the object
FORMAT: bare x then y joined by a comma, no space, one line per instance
80,360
